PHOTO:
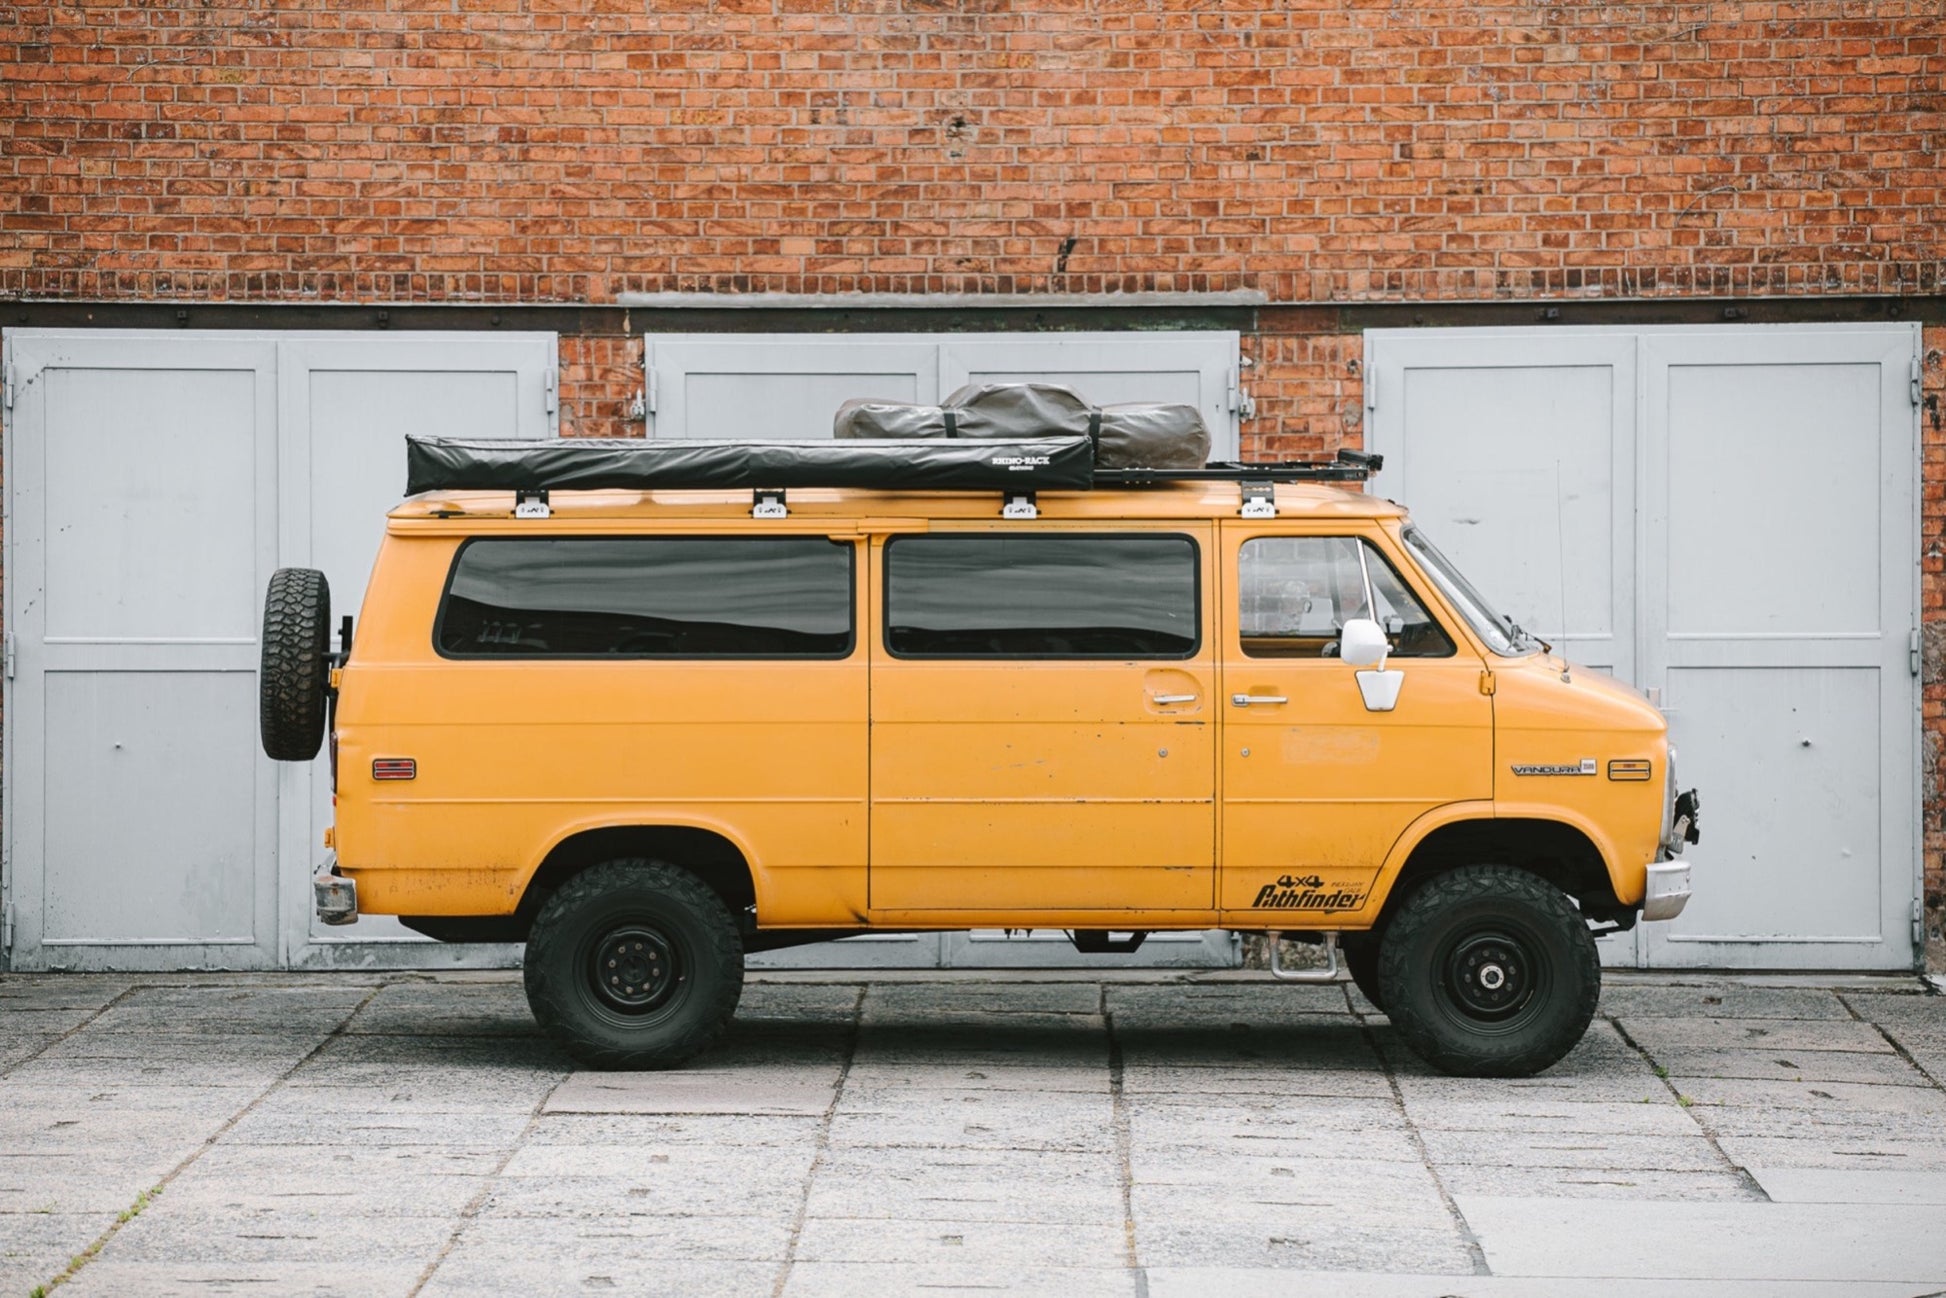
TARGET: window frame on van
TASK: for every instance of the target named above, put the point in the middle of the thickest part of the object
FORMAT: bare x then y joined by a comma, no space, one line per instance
850,649
1195,650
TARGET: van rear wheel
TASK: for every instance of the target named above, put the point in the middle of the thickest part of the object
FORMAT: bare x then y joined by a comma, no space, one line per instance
1489,971
634,964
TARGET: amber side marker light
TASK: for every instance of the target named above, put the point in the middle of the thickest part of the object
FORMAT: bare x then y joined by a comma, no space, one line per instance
1630,768
399,768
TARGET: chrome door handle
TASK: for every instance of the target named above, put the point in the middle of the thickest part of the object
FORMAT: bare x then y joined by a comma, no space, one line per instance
1172,698
1245,700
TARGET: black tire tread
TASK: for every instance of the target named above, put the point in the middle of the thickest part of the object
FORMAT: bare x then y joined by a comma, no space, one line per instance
294,674
1361,962
1458,887
552,998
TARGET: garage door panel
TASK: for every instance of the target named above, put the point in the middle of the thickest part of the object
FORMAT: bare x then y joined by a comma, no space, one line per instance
1515,452
1792,835
780,387
173,754
150,492
1762,573
1794,547
357,422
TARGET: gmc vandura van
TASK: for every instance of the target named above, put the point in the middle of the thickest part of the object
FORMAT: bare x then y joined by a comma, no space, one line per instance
651,707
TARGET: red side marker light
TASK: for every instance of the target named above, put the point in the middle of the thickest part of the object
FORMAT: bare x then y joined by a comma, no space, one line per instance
395,768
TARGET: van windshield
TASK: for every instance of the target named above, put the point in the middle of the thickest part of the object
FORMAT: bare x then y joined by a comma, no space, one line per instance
1502,634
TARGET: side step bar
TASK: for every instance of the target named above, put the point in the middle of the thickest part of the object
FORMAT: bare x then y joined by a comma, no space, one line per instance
1328,974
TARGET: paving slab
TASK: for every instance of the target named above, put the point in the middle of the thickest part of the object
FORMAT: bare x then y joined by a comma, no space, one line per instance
1844,1185
297,1279
1656,1035
805,1093
469,1274
943,1241
971,1280
1709,1241
1240,1282
1718,1000
1872,1068
1723,1185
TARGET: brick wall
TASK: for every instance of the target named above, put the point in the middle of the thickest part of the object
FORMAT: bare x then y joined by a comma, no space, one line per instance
1315,149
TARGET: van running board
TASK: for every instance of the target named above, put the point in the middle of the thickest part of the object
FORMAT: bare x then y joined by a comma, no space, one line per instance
1328,974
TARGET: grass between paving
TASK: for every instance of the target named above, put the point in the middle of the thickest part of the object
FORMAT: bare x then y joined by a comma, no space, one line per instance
87,1254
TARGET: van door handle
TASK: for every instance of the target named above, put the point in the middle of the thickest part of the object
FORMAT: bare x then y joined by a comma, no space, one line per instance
1245,700
1172,698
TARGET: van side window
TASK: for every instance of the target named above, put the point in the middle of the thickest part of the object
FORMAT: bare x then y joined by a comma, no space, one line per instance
648,597
1295,593
1013,596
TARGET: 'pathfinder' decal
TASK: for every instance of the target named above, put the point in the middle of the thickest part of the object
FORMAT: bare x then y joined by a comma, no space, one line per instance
1306,892
1586,766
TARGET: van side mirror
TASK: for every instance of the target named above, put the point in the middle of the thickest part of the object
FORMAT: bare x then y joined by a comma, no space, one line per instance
1363,644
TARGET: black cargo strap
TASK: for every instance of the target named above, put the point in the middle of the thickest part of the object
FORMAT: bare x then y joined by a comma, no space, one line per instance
952,421
1094,441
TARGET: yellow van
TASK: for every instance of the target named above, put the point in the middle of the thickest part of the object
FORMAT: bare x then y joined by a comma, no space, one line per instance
647,729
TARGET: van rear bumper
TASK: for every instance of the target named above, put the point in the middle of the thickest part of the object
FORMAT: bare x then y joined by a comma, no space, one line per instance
1667,891
336,896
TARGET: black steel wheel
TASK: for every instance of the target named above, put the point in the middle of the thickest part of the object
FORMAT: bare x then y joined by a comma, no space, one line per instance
1489,971
634,964
294,668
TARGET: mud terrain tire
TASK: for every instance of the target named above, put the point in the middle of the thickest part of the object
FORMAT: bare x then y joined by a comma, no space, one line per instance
295,671
1489,971
634,964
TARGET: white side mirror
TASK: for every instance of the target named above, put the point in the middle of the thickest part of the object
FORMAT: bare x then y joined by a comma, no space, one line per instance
1363,644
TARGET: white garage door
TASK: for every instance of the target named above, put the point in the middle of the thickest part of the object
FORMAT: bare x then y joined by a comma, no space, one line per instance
1728,516
763,386
154,481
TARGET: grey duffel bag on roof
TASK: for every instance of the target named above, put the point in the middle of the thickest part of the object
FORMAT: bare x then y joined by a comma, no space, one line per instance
1138,435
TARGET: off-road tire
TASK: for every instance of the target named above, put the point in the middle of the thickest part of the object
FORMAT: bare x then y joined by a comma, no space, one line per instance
295,671
1361,962
1455,934
628,903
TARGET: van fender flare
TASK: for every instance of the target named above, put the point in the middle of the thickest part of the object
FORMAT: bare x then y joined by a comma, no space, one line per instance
1453,813
524,879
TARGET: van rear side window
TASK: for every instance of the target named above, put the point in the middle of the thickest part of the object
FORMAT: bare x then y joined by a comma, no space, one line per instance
1017,596
648,597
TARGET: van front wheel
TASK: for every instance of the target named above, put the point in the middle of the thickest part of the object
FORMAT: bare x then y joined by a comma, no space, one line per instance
634,964
1489,971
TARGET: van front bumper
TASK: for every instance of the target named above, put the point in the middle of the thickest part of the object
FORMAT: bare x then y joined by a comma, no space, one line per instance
336,896
1667,891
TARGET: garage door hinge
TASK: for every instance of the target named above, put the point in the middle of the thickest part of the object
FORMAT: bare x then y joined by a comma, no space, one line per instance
1917,382
7,928
1240,402
552,390
1913,655
7,385
9,655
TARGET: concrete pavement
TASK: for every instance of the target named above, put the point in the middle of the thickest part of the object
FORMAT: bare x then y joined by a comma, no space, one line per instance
1148,1134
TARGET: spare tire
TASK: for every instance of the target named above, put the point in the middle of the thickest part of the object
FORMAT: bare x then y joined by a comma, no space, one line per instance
296,666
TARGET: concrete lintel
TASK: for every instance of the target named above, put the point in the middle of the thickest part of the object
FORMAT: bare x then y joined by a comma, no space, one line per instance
933,301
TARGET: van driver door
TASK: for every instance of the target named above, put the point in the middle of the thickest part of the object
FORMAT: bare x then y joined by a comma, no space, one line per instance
1316,786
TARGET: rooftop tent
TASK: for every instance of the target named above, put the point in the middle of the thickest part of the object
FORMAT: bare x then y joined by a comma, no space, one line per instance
1018,465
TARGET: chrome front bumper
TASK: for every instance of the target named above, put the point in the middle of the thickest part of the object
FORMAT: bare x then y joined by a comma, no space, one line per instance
337,896
1667,891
